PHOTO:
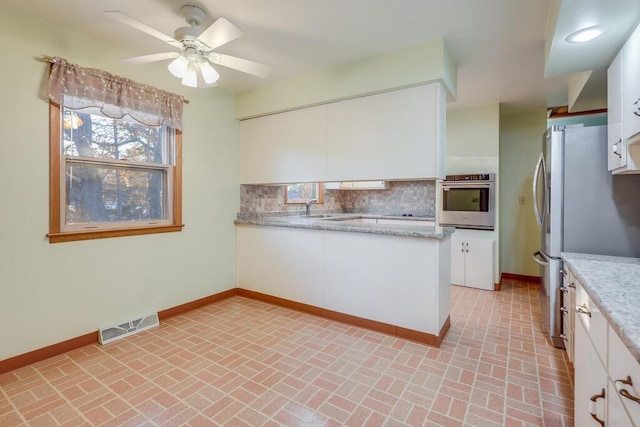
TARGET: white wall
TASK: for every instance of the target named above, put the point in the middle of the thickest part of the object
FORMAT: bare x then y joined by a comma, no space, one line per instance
521,141
473,146
409,67
53,292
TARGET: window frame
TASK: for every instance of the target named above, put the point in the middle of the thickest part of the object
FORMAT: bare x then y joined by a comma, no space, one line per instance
57,234
295,201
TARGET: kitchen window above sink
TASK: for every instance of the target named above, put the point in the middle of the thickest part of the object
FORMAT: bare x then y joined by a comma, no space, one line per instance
301,193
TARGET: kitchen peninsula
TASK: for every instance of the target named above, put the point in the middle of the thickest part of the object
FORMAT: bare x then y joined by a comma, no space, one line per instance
389,274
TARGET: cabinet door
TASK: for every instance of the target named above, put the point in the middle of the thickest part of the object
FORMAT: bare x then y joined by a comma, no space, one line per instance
458,248
284,148
616,415
479,263
625,368
631,86
590,380
395,135
617,154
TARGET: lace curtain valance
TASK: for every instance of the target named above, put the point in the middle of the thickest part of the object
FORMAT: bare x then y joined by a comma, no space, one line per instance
77,88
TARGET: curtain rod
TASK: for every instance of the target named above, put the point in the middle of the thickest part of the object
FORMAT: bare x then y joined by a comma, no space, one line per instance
51,60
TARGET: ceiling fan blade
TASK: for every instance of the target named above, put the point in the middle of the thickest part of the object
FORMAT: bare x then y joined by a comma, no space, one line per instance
150,58
132,22
220,32
244,65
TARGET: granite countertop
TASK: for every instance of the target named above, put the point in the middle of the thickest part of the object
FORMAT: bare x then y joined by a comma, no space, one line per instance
613,283
335,223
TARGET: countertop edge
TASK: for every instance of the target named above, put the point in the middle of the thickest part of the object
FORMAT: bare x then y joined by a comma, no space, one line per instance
379,229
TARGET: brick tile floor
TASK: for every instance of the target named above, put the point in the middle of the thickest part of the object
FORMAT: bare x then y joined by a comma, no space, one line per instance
241,362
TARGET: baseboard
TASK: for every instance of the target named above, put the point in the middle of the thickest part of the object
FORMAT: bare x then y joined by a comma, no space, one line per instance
385,328
44,353
521,277
183,308
40,354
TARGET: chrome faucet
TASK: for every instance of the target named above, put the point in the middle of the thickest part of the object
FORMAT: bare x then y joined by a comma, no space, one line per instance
309,203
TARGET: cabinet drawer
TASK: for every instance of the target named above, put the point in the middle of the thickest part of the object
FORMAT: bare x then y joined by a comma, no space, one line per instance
593,320
624,367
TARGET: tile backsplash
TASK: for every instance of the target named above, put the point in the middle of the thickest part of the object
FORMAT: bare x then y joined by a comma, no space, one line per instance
417,198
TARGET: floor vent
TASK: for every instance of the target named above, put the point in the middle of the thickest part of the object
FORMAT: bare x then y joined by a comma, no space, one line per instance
112,333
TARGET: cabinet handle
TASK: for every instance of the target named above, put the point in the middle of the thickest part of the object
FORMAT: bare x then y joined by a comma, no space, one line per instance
594,407
583,309
615,148
636,105
563,272
572,285
624,392
564,309
564,289
564,337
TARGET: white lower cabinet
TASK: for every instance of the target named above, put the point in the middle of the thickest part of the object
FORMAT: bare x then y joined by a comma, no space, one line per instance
472,262
590,382
603,367
624,372
283,262
401,281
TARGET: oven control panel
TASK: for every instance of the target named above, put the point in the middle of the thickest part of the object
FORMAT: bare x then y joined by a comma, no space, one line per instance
472,177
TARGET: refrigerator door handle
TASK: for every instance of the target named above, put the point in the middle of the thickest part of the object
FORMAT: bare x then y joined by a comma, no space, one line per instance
536,209
540,258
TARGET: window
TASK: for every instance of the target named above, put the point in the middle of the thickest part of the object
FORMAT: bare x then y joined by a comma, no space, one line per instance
302,192
111,174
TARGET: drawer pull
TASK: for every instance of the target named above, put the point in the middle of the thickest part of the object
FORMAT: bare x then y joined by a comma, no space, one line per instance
583,309
594,407
564,289
572,285
564,337
624,391
564,309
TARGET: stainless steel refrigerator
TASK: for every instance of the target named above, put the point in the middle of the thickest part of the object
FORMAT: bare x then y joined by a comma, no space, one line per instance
580,207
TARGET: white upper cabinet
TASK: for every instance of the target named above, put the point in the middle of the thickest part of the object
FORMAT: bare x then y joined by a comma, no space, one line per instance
285,147
617,154
623,103
631,87
395,135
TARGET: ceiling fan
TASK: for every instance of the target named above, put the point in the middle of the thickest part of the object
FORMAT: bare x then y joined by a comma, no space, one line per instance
196,47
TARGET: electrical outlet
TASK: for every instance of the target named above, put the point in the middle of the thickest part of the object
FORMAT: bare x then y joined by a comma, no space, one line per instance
521,200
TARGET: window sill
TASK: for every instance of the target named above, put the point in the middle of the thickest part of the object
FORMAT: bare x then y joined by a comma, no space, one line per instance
72,236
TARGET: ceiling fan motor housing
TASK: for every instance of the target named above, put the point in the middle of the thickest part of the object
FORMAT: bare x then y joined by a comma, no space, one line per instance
193,14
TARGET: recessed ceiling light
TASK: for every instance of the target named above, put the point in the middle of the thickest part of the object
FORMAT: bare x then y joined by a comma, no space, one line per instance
587,34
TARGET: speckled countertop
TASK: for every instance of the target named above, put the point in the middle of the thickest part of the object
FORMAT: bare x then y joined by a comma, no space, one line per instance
335,224
613,283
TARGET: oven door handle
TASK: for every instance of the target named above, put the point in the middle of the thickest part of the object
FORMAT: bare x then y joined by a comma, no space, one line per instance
540,258
447,185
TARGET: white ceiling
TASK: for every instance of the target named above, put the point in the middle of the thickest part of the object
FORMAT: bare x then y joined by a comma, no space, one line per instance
498,45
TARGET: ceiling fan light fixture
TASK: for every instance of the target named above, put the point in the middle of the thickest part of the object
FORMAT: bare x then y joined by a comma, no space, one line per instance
587,34
209,74
190,77
178,67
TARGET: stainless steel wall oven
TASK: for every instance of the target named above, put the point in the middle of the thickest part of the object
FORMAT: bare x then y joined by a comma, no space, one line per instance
468,201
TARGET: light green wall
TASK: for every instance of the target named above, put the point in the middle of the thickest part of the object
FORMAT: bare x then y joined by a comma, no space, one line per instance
473,146
53,292
521,141
413,66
